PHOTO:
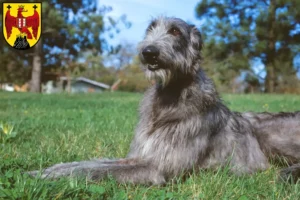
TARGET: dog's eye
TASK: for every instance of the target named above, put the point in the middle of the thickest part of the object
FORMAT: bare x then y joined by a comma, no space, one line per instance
174,31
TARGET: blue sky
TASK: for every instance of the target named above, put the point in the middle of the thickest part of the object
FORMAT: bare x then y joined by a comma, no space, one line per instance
140,12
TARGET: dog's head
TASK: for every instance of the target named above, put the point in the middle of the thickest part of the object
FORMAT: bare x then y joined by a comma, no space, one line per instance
170,48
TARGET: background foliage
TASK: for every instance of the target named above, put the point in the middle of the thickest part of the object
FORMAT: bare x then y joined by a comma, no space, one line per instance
240,35
249,46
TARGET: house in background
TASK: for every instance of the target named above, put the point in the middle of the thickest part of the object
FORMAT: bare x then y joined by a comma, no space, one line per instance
77,85
86,85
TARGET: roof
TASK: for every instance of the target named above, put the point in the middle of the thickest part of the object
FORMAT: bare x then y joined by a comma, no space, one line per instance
93,82
86,80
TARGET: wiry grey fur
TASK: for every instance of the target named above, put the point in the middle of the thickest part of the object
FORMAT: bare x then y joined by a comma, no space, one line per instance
183,123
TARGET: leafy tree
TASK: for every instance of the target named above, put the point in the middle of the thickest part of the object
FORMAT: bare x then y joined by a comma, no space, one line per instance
237,32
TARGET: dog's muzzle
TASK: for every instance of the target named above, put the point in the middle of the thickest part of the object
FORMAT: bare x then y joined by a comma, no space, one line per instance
150,55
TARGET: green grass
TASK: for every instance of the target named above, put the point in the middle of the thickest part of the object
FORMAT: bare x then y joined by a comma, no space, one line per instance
62,128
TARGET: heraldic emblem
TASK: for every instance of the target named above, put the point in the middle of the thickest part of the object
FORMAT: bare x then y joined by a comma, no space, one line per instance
22,24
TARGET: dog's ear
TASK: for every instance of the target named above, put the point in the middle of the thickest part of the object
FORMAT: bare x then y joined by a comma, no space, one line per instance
196,38
151,26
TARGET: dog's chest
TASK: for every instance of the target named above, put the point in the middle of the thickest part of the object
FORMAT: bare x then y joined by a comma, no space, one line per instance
170,148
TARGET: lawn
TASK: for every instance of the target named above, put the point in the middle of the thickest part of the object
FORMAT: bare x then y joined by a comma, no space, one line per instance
60,128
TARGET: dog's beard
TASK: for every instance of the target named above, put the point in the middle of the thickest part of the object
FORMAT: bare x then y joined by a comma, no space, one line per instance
162,76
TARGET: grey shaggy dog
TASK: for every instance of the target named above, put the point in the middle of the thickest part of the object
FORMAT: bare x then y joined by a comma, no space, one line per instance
183,123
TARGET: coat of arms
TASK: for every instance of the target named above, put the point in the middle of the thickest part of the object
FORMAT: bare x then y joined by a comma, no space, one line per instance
22,24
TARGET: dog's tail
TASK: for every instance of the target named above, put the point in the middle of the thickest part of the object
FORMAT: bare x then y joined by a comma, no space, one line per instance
123,170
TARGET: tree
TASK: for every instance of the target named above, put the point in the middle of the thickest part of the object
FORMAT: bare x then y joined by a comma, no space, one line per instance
36,72
238,32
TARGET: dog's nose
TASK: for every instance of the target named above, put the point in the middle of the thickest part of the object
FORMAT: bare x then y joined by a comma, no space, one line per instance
150,53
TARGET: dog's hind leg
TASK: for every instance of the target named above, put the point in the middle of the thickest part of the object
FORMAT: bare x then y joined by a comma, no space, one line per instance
279,137
278,134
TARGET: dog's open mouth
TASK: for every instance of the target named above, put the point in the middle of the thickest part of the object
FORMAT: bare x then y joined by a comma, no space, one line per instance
153,67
